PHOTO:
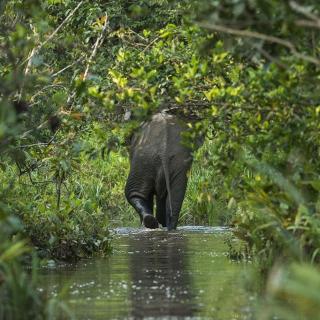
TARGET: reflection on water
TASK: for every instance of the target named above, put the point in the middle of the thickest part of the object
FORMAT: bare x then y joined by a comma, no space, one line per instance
161,284
156,275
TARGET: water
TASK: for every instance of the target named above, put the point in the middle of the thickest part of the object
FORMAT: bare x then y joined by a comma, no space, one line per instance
153,274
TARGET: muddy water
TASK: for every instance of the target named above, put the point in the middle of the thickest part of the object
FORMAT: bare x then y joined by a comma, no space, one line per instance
153,274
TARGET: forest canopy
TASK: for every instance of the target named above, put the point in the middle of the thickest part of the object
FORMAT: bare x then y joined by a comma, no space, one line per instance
78,77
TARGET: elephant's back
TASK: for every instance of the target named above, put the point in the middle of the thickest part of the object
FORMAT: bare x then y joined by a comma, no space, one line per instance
162,134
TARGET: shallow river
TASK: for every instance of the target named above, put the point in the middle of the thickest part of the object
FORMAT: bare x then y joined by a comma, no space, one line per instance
153,274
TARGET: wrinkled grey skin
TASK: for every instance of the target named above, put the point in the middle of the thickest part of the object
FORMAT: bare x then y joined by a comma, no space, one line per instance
158,167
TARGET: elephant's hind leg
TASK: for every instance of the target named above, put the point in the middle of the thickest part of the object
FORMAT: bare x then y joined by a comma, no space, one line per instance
145,210
178,190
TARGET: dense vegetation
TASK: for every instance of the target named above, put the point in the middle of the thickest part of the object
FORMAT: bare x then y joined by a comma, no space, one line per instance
244,73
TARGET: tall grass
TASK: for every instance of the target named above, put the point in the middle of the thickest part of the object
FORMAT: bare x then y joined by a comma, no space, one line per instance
206,202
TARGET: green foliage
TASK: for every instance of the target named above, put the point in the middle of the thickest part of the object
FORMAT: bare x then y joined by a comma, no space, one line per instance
204,202
268,142
69,72
293,293
169,71
18,288
267,137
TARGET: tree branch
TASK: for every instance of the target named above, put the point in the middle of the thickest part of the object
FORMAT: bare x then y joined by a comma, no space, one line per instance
256,35
36,49
65,68
50,86
307,23
150,44
268,56
97,44
304,11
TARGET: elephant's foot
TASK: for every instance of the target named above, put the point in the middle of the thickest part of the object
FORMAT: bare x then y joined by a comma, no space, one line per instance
149,221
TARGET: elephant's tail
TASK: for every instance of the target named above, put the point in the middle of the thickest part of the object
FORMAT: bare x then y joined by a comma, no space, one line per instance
165,165
167,178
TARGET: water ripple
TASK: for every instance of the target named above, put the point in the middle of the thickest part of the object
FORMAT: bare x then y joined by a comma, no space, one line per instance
184,229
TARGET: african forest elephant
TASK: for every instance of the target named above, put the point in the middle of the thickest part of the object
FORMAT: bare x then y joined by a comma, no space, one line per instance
159,164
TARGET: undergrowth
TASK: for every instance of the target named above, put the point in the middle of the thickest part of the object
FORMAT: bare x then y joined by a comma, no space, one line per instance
92,200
